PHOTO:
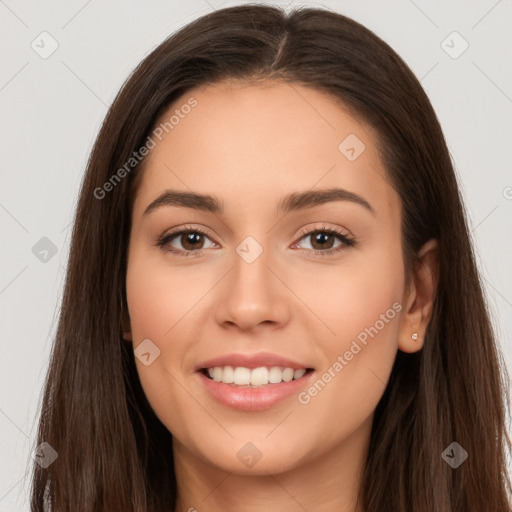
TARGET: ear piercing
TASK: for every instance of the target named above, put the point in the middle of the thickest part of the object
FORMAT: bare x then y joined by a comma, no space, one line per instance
415,336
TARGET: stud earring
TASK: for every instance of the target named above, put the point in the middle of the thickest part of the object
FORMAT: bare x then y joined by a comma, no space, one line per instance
415,336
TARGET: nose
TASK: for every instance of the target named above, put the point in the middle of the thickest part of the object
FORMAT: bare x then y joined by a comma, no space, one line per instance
254,292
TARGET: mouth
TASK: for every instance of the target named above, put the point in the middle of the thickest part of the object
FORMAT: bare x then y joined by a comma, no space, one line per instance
243,377
253,389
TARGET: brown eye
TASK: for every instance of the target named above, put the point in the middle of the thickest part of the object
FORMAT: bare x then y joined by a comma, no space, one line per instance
322,241
191,240
185,242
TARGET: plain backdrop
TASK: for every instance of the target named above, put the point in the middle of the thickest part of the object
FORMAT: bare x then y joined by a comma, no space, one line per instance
53,105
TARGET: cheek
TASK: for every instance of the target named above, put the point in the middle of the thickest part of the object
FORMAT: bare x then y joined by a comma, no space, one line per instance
352,295
362,310
150,316
158,295
149,308
161,305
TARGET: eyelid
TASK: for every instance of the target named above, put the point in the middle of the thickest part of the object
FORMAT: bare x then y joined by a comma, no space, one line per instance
304,231
186,227
175,232
323,226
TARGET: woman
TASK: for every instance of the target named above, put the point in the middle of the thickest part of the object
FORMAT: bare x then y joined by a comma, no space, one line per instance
272,301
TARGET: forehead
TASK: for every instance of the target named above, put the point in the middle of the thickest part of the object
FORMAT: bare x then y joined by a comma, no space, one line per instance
246,140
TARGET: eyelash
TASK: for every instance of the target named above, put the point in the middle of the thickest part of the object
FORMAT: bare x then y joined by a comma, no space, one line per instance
165,239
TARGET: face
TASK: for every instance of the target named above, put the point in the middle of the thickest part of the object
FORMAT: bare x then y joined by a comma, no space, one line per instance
278,276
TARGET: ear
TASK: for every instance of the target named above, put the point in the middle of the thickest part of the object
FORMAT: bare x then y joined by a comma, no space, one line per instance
420,299
125,326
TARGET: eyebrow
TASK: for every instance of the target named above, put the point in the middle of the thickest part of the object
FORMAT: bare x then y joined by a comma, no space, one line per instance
291,202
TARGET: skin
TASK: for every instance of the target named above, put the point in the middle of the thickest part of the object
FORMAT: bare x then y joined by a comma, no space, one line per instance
250,144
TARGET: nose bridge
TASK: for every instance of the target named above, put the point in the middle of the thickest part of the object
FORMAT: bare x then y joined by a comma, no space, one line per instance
252,294
251,277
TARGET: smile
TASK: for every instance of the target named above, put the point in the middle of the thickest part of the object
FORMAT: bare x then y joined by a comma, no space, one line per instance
255,377
243,395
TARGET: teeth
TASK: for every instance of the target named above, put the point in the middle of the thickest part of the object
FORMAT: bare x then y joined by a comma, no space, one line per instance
288,374
241,376
217,374
259,376
228,375
297,374
275,375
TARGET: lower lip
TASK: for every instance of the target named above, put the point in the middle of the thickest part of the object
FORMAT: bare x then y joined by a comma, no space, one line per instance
254,399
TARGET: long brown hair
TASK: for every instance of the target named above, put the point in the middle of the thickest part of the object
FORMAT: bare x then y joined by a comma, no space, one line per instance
113,452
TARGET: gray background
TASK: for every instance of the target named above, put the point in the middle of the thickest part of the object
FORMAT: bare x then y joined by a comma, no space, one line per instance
52,109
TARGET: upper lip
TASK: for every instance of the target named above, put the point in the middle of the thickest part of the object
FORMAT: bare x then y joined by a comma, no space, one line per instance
251,361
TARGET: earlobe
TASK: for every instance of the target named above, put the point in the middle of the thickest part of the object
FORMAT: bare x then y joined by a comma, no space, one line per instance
413,344
420,301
